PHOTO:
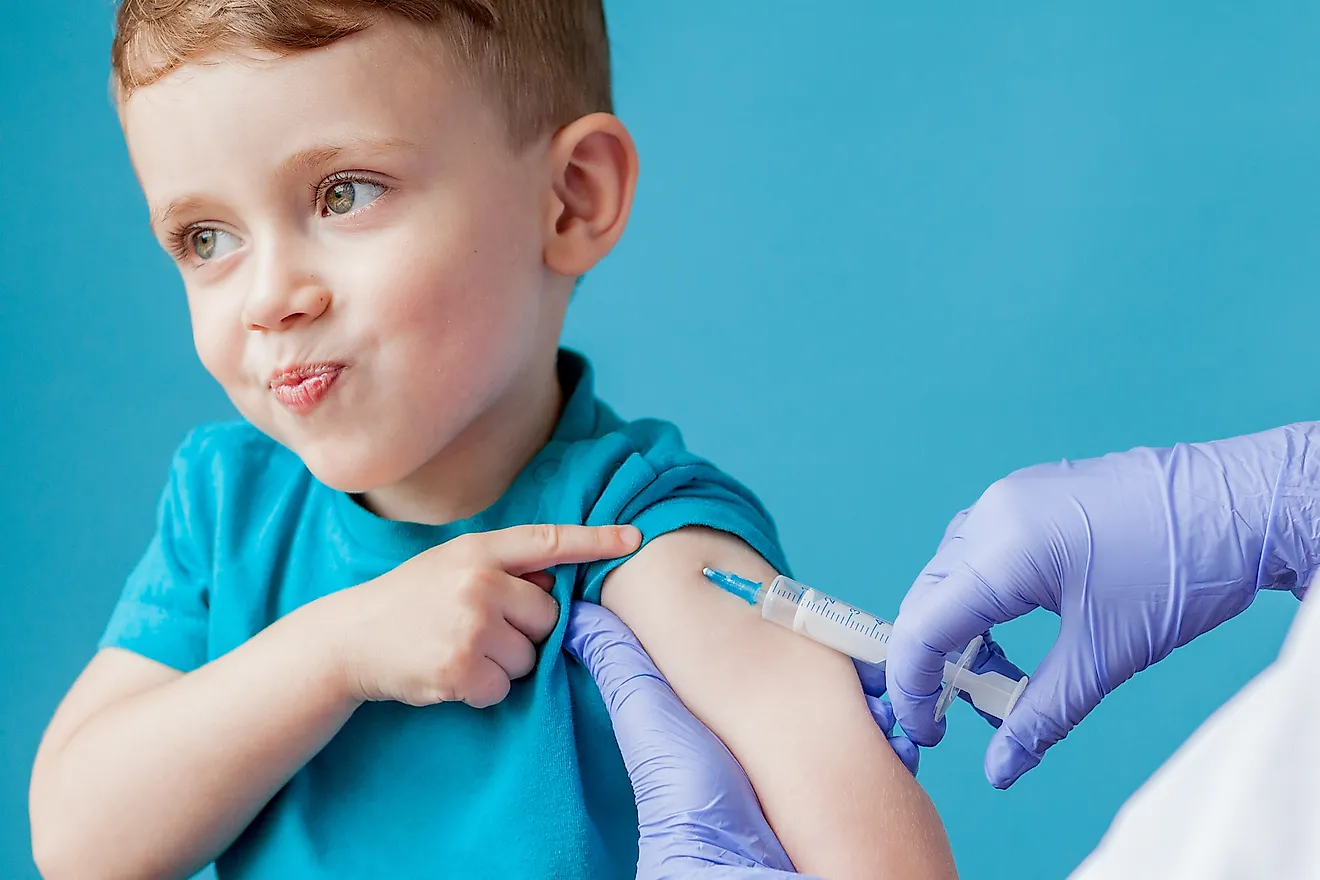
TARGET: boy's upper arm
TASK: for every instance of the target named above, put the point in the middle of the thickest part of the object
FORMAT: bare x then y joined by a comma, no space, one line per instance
852,809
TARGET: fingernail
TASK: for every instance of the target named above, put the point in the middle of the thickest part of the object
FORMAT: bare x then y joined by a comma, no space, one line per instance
630,535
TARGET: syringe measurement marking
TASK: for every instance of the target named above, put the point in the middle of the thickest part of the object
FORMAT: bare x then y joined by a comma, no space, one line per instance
824,609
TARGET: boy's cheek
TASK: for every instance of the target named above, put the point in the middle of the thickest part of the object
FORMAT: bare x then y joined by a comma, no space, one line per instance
220,352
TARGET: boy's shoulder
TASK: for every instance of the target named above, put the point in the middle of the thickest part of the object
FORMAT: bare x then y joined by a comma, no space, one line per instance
232,465
597,440
231,439
604,470
218,453
658,441
644,460
630,462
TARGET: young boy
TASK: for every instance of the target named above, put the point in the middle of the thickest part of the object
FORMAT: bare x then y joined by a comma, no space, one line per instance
340,655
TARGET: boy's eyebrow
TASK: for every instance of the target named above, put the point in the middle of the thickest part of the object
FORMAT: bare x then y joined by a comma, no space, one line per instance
302,161
312,158
160,217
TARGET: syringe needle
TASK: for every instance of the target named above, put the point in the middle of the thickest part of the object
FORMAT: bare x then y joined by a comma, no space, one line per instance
729,582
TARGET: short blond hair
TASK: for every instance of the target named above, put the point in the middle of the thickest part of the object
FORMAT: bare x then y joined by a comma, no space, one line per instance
545,62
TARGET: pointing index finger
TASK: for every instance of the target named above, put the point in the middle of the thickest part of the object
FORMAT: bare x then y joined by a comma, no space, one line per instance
530,548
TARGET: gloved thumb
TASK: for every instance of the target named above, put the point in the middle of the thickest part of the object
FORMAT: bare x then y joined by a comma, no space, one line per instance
1054,701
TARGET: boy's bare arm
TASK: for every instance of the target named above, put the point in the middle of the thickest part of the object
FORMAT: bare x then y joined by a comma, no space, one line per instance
145,772
853,810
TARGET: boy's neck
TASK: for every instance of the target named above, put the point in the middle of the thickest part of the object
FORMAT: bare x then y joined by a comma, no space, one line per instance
482,462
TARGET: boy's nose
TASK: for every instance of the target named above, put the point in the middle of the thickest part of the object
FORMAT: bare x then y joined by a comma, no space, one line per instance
284,304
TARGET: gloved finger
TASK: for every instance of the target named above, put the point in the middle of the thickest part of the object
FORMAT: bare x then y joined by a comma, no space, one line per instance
949,604
691,793
907,752
1060,694
991,658
706,870
883,714
872,677
593,626
882,711
602,642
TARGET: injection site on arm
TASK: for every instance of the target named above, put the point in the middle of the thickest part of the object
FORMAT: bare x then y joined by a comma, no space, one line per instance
865,637
856,811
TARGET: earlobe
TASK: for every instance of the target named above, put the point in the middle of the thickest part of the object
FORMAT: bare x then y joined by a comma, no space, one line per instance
594,176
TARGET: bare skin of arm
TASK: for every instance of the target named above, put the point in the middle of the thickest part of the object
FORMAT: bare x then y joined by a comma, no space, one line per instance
147,772
137,745
853,810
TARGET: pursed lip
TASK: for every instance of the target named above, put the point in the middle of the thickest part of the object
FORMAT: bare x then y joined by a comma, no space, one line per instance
299,373
302,386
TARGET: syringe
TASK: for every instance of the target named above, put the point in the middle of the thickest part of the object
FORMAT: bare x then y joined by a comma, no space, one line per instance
865,637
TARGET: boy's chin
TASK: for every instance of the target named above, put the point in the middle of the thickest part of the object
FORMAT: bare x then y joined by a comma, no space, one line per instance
351,461
345,469
353,477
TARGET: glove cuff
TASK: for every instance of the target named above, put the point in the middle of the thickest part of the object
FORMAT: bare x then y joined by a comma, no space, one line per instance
1290,551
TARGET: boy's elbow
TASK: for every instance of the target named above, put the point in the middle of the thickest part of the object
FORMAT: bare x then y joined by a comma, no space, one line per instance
46,831
51,857
62,847
55,850
61,854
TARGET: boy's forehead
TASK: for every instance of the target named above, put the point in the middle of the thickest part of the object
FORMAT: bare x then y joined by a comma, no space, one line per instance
379,84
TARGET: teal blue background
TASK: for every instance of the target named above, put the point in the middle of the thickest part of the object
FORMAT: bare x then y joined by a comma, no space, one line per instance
882,254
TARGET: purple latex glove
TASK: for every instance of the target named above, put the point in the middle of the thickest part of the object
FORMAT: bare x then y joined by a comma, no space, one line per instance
696,810
1137,552
697,814
989,659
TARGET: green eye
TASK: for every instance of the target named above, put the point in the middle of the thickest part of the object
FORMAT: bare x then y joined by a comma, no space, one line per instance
207,244
349,195
204,243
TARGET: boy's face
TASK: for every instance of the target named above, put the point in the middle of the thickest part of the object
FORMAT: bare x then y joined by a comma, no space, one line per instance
361,247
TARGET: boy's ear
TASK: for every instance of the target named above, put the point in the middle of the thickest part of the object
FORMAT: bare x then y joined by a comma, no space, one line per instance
594,175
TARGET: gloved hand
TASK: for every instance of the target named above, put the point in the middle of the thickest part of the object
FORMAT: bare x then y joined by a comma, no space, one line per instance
696,811
1137,552
990,658
697,814
882,711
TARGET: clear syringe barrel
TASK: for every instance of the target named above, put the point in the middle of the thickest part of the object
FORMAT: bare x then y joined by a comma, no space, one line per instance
851,631
824,619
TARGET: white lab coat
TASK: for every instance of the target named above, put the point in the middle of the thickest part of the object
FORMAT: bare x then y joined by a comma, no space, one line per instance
1241,798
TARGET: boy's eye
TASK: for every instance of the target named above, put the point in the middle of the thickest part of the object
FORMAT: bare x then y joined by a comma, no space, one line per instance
208,244
347,196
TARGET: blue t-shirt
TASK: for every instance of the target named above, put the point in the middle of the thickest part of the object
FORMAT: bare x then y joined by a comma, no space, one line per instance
532,787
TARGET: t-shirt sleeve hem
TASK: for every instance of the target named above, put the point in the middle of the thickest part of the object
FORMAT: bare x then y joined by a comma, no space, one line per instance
672,515
177,650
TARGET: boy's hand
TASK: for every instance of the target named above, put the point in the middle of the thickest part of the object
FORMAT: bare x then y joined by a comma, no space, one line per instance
461,620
